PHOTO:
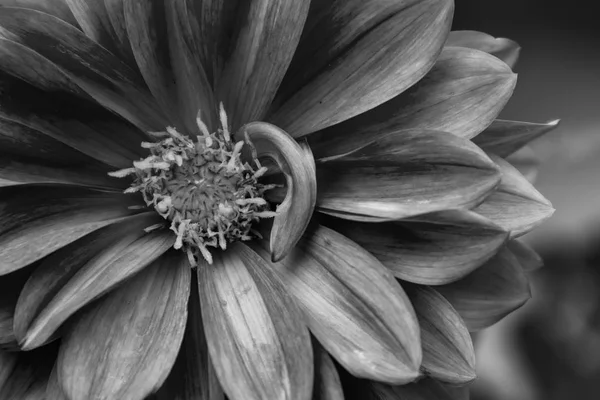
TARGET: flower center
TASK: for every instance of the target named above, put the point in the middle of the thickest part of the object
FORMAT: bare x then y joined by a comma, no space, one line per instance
203,187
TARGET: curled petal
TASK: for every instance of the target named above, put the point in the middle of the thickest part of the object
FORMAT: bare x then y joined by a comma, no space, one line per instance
354,306
462,94
491,292
432,249
297,164
505,49
256,335
38,220
134,334
362,53
448,353
527,257
516,205
405,174
503,137
82,272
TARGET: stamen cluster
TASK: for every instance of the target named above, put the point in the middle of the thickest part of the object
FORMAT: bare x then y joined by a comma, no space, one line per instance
203,187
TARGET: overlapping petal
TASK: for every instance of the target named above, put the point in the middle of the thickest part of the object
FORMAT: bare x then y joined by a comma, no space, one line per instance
256,336
58,8
87,64
505,49
526,161
10,287
489,293
37,220
327,384
405,174
362,53
528,258
503,137
193,376
354,306
23,375
432,249
251,74
516,205
124,346
448,353
296,162
82,272
462,94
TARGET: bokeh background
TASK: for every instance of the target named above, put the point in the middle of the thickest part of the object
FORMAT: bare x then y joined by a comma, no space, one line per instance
550,349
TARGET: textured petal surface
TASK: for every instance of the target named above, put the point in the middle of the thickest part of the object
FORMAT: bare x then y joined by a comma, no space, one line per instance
354,306
256,336
193,376
503,137
261,49
462,94
426,389
355,55
76,275
448,353
296,162
91,67
516,206
505,49
327,384
23,375
58,8
194,91
436,249
36,95
10,287
489,293
406,174
133,334
37,220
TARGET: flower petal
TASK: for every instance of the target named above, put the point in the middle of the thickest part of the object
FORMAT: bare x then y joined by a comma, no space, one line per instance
297,164
193,376
527,256
354,306
58,8
134,334
327,384
52,111
462,94
251,72
503,138
91,67
425,389
362,54
194,91
406,174
516,206
10,287
81,273
53,390
489,293
37,220
256,336
29,156
146,29
505,49
437,249
526,161
23,375
448,353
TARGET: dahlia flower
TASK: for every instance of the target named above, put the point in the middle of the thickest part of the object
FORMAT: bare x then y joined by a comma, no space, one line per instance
254,198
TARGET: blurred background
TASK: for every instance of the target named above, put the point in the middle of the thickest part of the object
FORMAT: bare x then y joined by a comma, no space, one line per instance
550,349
